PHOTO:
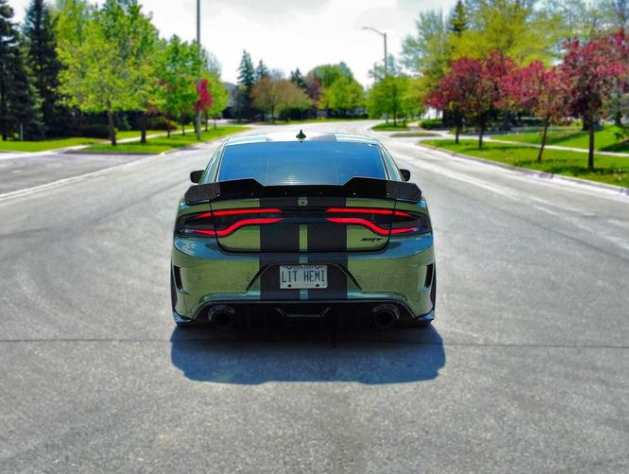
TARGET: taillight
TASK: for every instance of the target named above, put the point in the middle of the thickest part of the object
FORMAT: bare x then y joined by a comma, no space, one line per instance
225,222
381,221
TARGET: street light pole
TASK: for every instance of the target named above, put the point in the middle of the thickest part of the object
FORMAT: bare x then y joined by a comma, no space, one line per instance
384,36
198,117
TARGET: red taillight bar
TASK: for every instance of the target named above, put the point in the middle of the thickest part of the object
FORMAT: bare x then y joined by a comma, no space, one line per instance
236,212
361,210
234,227
358,221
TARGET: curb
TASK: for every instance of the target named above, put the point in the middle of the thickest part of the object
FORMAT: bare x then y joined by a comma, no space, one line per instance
107,153
537,174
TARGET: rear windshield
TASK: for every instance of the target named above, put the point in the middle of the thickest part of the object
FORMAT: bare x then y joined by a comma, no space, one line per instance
289,163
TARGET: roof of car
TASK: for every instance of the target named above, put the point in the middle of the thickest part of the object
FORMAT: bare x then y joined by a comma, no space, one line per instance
292,137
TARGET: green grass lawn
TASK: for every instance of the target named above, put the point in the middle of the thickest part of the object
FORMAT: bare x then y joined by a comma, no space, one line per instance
606,139
389,127
162,144
46,144
609,169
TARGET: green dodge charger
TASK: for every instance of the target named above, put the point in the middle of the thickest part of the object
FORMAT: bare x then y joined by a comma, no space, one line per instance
317,226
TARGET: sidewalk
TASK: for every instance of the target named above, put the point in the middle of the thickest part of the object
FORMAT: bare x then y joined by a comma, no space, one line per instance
446,135
23,154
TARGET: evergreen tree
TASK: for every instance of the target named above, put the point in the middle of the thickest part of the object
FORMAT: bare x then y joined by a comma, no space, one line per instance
44,64
261,71
458,19
298,79
19,104
246,80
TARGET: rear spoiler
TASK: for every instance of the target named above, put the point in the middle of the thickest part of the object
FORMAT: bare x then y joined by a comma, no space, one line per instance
355,187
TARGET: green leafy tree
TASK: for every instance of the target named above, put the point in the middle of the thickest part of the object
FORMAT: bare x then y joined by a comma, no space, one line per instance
178,77
344,95
220,97
104,69
327,74
389,96
520,29
73,20
429,51
45,66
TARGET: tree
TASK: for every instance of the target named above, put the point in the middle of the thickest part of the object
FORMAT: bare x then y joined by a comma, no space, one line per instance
429,51
246,80
44,64
343,95
393,69
144,59
298,79
327,74
274,95
539,90
204,101
314,88
590,70
179,80
389,96
261,70
73,19
19,103
473,87
220,97
520,29
458,18
107,65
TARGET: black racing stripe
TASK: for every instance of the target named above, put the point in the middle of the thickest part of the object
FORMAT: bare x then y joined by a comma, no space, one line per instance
327,245
279,245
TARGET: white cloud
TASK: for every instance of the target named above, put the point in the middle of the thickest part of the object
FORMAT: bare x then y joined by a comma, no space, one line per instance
289,33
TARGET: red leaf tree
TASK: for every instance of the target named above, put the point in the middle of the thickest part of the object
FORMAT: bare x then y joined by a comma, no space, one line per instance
204,101
541,91
472,88
591,70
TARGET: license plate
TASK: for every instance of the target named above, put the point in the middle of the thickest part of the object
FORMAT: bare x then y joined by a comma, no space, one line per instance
303,277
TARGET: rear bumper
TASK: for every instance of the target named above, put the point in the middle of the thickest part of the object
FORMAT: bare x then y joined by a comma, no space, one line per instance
253,310
401,274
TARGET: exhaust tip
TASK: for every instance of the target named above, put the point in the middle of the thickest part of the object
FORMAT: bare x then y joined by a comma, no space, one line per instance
222,317
385,316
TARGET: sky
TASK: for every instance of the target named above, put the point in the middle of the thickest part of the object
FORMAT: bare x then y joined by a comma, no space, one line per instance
287,34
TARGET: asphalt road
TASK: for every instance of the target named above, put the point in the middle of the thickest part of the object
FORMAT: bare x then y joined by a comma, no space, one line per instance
525,371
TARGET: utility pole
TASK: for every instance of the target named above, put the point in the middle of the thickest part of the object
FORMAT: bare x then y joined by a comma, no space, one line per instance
198,117
384,36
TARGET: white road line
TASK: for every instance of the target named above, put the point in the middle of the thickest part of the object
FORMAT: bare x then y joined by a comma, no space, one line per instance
540,204
73,179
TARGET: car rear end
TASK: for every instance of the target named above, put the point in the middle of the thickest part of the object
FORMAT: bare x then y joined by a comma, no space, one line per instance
298,229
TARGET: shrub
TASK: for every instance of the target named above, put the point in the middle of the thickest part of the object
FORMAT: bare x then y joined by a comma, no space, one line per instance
431,124
161,123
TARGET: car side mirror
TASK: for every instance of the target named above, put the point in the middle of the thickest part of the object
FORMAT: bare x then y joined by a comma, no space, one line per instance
195,176
406,175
